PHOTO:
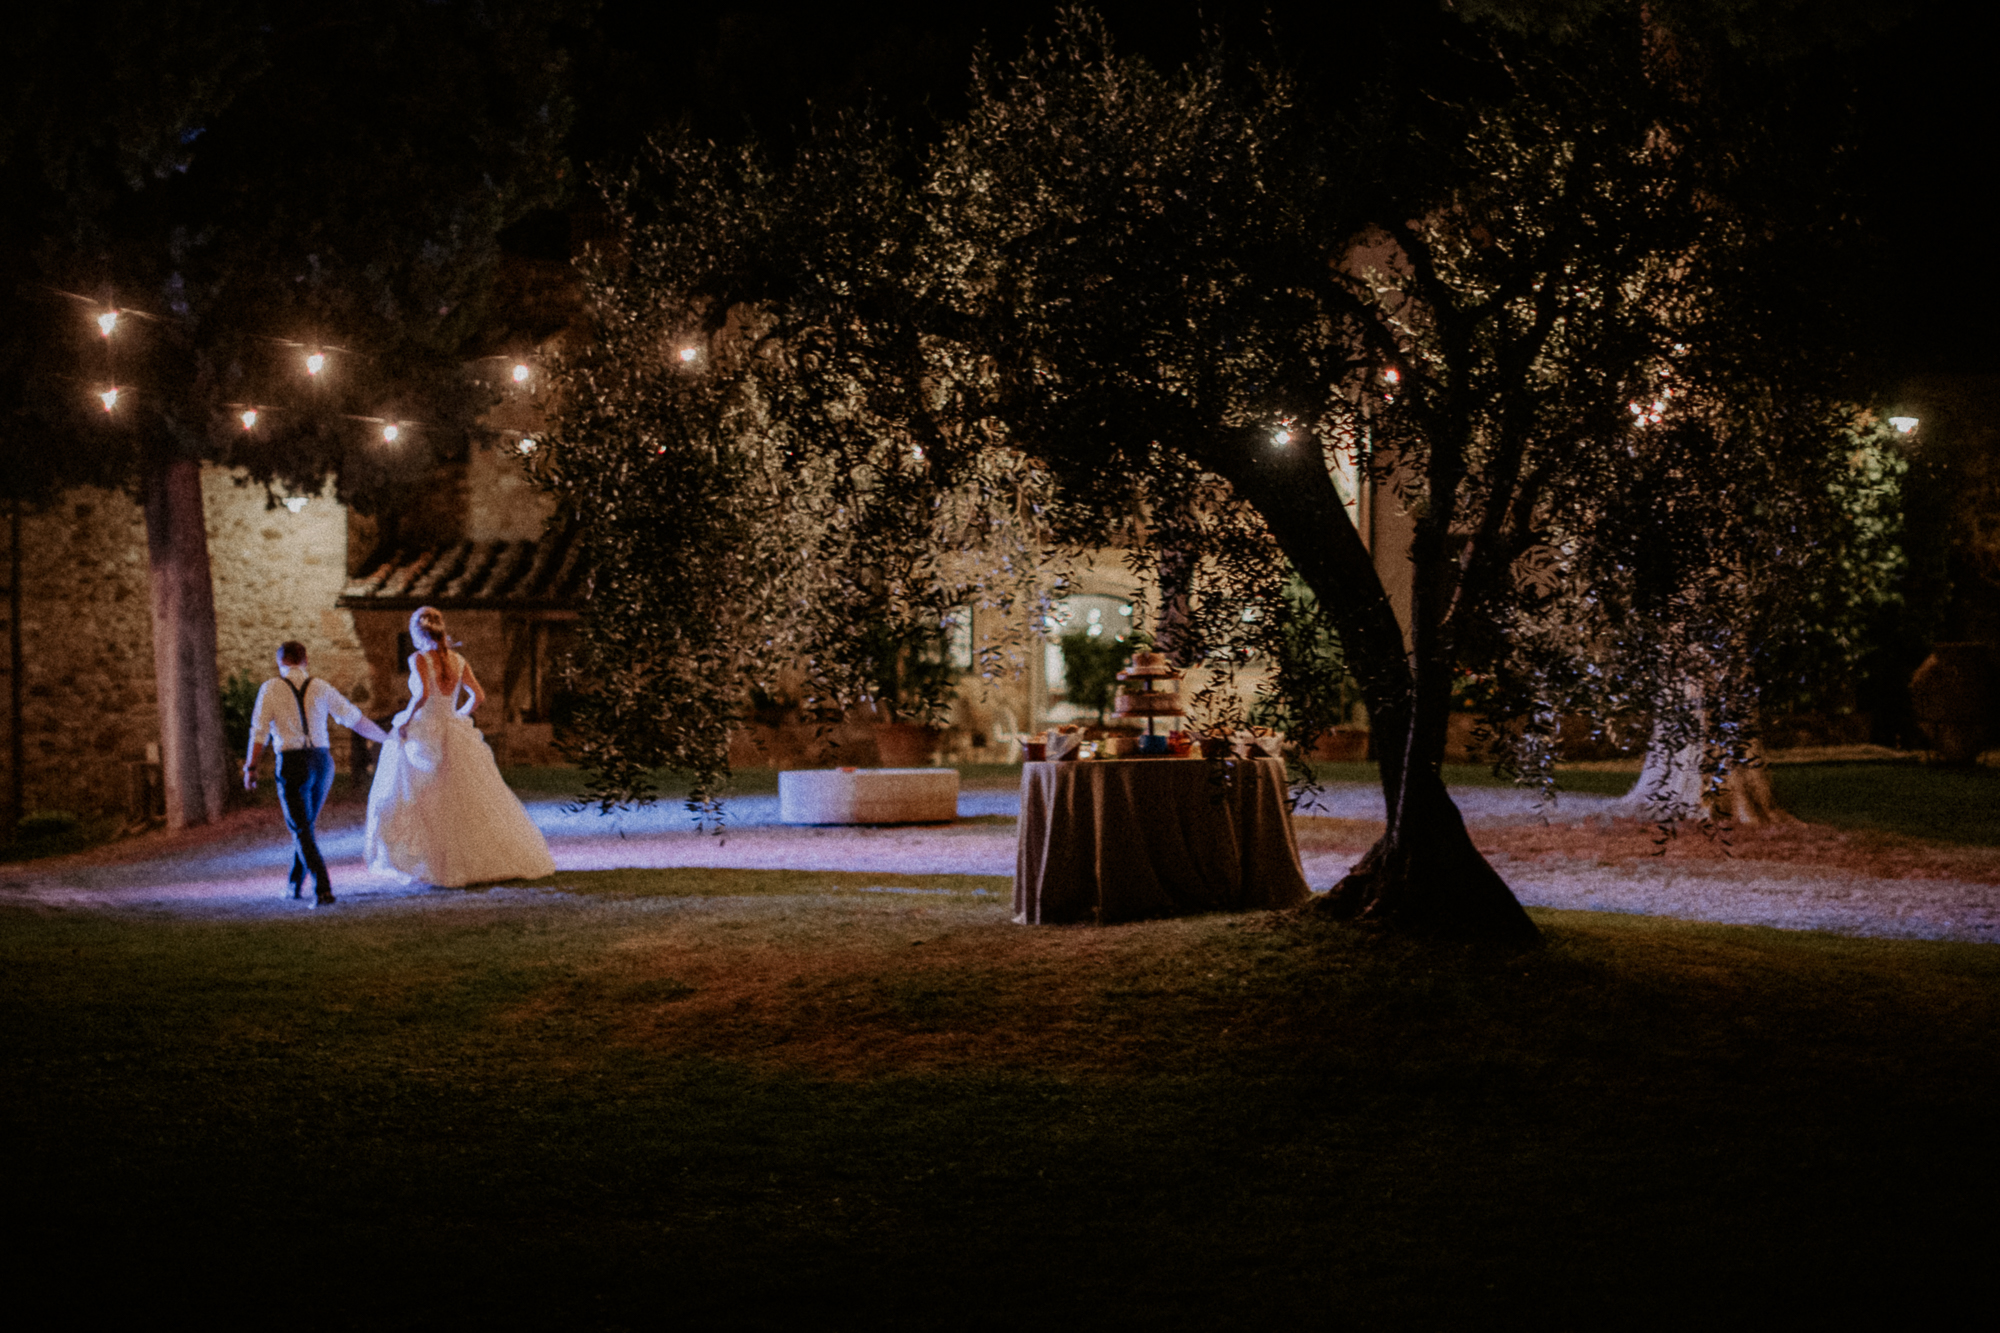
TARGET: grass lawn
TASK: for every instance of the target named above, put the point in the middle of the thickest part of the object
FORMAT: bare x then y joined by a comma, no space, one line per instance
781,1099
1948,804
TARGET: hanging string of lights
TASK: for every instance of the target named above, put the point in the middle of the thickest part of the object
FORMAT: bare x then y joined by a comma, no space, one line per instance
315,362
313,358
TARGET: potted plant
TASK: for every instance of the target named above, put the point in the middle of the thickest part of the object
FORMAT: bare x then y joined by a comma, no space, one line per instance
912,677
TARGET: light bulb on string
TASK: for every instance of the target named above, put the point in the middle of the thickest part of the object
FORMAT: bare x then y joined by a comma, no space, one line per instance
390,432
520,372
249,419
109,398
107,322
315,363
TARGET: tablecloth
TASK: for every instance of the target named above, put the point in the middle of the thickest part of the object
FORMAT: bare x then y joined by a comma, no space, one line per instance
1128,839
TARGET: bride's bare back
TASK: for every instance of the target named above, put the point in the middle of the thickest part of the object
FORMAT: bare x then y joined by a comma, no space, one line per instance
444,672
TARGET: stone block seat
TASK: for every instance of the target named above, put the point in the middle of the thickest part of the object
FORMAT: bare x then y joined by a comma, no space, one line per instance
868,796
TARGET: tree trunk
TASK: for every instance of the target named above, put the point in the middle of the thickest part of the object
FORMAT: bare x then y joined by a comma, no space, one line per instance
184,649
1673,787
1424,875
1671,784
1746,796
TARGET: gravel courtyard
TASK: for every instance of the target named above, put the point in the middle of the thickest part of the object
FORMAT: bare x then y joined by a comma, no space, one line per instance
1574,856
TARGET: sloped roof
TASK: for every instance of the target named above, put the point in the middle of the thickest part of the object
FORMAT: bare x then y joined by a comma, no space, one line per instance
541,575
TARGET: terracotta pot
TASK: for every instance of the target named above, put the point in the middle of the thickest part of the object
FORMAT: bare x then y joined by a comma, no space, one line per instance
1953,697
906,744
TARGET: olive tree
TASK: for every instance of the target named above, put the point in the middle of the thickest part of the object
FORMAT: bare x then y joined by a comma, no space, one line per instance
1168,309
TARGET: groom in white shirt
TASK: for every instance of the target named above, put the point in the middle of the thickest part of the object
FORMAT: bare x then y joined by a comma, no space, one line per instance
292,710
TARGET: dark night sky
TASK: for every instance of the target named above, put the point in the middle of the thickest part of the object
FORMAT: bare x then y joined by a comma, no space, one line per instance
1924,93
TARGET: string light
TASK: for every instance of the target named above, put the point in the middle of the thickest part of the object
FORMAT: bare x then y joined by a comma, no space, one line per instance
315,363
688,355
249,419
520,373
527,446
390,432
107,322
296,502
1282,436
109,398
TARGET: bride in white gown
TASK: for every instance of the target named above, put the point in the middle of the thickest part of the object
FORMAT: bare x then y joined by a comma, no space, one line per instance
439,812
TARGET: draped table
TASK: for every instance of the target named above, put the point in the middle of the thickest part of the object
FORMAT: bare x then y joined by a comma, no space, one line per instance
1126,839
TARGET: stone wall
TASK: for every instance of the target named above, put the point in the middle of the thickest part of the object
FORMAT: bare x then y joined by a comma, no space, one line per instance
501,503
277,574
89,707
88,703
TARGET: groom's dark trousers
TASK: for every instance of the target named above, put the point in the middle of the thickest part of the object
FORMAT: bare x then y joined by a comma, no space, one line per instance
304,779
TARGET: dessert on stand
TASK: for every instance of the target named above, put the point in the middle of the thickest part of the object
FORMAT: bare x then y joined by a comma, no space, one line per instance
1149,688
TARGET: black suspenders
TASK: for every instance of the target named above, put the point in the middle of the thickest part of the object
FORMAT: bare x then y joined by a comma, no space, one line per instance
299,698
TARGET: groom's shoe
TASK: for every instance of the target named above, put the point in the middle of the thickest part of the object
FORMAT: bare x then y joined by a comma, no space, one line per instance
298,889
324,900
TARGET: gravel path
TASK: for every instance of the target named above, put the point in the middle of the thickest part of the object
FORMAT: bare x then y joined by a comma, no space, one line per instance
239,871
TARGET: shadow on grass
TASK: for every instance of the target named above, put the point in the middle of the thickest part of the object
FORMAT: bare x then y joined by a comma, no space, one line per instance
733,1095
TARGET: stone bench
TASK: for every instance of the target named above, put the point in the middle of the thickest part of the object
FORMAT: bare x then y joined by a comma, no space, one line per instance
868,796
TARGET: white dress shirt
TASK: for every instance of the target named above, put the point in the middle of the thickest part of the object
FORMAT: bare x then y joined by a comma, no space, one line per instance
277,713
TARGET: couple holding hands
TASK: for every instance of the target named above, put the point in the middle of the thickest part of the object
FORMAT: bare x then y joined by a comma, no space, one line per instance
438,813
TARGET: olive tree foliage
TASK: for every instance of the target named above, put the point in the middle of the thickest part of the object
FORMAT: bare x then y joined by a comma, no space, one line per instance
1164,309
770,483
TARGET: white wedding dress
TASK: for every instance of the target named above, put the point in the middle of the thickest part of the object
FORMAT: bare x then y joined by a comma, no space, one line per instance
438,812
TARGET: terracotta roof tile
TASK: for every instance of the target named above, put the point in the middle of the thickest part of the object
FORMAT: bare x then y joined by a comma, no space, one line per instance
546,574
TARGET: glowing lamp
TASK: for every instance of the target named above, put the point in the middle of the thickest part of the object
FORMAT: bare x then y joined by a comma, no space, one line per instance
527,446
109,398
520,373
1903,425
249,419
295,502
390,432
1392,375
107,322
1282,437
687,355
315,363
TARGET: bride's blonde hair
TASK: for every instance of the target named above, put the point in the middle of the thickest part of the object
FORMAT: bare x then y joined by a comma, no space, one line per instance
427,629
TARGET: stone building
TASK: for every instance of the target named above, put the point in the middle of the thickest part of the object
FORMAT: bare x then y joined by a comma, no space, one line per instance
89,713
